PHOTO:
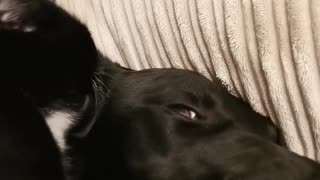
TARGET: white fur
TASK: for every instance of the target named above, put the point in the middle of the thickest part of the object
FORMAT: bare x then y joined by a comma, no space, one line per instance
5,17
29,28
7,8
59,123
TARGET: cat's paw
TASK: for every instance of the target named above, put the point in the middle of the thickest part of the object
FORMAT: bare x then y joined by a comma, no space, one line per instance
17,15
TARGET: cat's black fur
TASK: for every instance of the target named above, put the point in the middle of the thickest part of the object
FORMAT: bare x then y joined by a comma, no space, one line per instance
48,61
54,61
144,131
27,149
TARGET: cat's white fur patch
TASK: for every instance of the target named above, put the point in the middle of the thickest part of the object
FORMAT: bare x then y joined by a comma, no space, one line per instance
59,123
29,29
7,8
5,17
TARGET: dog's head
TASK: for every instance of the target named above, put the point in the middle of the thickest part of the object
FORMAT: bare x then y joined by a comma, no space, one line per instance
176,124
179,125
186,98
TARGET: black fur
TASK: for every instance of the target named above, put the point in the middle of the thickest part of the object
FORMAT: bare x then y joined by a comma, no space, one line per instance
27,149
143,132
54,61
48,61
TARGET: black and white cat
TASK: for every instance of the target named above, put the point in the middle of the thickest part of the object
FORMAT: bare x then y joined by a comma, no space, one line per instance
65,117
48,64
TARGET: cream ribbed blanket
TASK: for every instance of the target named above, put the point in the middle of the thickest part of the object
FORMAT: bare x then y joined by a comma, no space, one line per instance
265,51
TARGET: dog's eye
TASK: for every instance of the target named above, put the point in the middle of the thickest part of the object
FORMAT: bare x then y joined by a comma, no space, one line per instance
185,111
188,113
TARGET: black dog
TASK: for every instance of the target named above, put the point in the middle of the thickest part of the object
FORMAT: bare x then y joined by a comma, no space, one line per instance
170,124
155,124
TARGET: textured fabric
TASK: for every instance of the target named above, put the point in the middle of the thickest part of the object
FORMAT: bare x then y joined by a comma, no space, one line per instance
264,51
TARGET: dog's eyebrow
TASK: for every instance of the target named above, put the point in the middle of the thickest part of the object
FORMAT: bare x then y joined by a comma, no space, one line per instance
191,98
207,101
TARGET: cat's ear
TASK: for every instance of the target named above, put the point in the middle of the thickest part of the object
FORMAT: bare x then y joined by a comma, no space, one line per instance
18,15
